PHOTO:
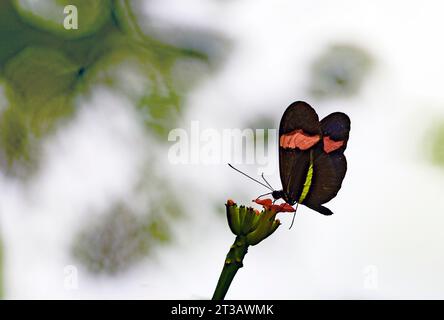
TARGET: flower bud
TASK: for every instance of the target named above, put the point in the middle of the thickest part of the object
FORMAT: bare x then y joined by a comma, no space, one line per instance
250,224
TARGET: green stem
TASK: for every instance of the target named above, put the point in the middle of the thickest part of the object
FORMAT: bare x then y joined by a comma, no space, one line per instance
233,262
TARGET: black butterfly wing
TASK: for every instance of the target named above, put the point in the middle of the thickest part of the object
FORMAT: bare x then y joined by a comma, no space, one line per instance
299,131
329,162
328,174
335,131
294,165
300,115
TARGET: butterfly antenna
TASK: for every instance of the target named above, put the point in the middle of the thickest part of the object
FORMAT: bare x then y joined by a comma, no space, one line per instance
268,187
294,215
266,181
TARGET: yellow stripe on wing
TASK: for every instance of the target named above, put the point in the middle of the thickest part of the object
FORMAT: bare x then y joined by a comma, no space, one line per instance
308,179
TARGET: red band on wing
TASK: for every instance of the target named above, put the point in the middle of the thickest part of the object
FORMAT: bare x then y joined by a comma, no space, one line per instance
331,145
298,139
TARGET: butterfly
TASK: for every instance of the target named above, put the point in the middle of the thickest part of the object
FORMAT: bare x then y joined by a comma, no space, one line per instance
312,163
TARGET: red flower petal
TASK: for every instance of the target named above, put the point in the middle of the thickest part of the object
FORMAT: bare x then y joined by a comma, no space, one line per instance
264,202
285,207
275,207
268,204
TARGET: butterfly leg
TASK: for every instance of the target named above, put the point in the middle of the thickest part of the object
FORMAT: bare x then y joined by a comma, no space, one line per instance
265,194
294,215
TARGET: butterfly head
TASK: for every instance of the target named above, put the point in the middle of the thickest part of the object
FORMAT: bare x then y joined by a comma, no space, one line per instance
278,194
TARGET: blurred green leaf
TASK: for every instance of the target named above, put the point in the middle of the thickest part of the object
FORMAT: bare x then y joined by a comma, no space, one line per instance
437,144
45,67
14,138
132,233
158,229
43,81
49,15
113,243
339,71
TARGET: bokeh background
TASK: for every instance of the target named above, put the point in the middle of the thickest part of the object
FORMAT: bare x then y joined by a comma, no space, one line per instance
91,208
